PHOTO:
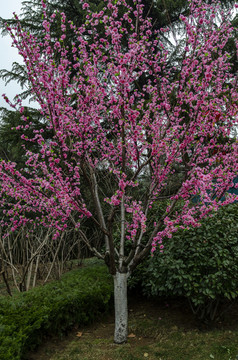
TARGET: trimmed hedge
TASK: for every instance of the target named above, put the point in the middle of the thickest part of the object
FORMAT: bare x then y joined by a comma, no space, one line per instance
80,297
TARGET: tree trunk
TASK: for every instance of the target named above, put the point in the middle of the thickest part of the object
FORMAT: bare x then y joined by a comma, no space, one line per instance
121,311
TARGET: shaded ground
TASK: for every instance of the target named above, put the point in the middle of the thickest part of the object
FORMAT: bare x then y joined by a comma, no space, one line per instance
157,331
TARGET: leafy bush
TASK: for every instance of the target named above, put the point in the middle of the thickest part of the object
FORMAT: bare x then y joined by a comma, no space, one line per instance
78,298
200,264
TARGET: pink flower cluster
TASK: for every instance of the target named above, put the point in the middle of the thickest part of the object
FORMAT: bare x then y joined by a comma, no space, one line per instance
102,124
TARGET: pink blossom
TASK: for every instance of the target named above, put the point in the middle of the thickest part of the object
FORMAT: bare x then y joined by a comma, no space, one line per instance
85,6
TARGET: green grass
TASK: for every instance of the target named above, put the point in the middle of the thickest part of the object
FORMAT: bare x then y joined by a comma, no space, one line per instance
172,346
160,334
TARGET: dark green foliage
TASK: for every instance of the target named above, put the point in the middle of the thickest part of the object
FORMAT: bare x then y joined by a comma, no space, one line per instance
200,264
78,298
12,146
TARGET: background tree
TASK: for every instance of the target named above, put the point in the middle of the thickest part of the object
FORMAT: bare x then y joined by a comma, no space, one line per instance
147,132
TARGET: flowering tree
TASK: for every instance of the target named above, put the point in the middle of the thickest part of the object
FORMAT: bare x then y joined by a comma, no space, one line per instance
106,130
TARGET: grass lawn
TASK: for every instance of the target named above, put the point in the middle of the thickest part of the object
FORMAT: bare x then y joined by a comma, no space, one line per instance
157,331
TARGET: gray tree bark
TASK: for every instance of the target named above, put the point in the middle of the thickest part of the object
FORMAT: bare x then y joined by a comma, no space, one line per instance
121,311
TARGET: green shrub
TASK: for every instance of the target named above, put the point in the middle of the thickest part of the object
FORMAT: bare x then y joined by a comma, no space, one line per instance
200,264
78,298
